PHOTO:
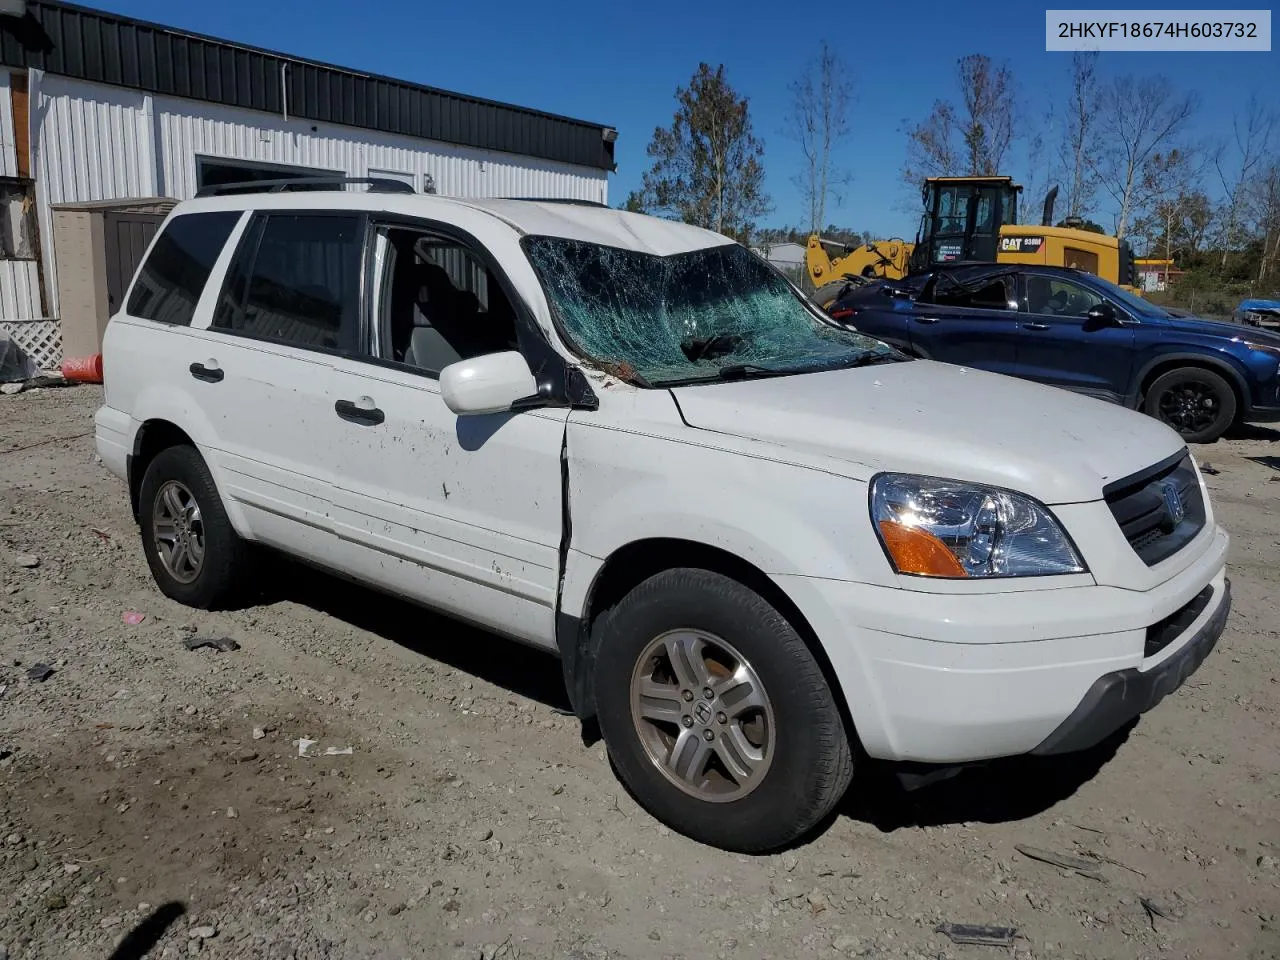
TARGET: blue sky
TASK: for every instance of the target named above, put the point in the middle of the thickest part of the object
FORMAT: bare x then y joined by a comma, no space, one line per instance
620,64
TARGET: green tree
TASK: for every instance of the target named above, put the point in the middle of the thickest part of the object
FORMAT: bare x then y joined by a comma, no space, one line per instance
706,168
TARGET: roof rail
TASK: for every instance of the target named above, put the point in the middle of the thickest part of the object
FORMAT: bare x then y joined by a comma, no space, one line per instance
376,185
576,203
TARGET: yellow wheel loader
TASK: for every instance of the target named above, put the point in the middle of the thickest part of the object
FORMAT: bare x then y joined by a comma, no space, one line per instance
973,219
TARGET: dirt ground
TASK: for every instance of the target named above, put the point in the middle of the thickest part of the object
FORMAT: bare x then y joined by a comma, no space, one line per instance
152,797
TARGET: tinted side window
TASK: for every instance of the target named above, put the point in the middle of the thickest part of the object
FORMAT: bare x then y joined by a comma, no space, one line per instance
171,281
303,287
1059,297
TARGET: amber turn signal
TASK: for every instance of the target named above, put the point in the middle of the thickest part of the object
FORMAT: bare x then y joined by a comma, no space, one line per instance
919,552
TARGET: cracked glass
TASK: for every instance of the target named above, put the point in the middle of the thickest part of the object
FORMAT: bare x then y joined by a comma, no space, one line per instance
709,314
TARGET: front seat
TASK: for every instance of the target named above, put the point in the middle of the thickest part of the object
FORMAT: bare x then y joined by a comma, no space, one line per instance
429,349
1037,295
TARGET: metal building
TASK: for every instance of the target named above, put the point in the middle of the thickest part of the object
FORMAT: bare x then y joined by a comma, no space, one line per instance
97,107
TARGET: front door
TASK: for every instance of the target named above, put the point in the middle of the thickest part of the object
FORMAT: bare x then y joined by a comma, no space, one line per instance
464,513
1059,345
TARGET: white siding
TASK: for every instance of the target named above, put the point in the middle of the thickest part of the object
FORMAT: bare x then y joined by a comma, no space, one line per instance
19,290
96,142
8,142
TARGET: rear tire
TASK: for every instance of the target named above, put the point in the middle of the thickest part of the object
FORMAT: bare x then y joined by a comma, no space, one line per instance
194,553
750,768
1198,403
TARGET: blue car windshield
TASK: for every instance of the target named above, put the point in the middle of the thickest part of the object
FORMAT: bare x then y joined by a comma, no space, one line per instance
702,315
1144,308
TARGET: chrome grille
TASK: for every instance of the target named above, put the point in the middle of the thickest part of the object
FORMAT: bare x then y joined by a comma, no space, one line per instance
1160,509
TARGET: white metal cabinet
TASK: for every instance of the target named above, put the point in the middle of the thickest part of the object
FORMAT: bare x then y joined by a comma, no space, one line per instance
461,513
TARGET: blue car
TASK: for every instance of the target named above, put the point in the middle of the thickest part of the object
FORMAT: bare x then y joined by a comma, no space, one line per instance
1074,330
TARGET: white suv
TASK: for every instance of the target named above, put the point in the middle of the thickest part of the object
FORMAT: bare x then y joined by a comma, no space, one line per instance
763,545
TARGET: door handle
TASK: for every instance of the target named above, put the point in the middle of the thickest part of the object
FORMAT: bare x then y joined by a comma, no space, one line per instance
209,371
356,413
926,319
1035,326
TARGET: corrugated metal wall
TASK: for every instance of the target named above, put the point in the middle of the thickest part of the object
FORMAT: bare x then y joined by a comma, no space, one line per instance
19,290
8,157
97,142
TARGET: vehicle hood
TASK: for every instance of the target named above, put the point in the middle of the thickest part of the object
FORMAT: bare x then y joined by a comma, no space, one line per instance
940,420
1216,328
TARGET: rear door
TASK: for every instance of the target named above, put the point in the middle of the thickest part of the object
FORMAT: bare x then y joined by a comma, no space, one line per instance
1059,345
289,305
967,319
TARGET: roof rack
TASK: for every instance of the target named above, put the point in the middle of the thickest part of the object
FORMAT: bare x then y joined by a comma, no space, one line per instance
376,185
576,203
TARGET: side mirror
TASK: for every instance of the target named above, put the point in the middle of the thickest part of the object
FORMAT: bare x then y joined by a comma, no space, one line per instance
1103,315
492,383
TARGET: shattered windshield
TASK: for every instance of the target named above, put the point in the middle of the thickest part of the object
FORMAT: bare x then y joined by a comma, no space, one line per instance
708,314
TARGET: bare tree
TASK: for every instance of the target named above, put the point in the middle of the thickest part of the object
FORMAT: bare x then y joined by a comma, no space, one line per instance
1172,209
1263,206
820,124
987,93
706,167
972,140
1236,163
1080,117
1139,116
931,146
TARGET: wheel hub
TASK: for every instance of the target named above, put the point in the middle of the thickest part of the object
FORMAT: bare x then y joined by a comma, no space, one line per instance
702,715
178,531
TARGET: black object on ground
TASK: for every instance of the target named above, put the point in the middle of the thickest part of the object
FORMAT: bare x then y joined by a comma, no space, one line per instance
221,644
40,672
979,934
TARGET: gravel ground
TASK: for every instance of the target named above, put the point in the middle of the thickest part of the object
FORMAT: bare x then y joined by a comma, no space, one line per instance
150,794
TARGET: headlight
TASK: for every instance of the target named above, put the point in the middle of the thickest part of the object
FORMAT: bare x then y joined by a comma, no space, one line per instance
945,528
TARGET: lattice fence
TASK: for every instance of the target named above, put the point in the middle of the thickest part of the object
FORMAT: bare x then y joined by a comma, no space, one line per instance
41,340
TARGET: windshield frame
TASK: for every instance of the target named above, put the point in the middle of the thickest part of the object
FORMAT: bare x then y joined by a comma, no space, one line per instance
638,379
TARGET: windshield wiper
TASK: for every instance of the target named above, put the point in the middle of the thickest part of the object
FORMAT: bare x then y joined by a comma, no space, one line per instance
871,358
709,348
741,371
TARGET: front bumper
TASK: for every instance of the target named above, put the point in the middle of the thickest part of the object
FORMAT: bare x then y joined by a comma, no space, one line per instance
1118,697
961,677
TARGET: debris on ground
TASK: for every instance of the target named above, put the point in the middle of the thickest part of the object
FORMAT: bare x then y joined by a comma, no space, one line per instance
1086,868
28,561
40,672
101,534
977,934
221,644
1156,908
132,618
304,745
338,751
259,733
1210,469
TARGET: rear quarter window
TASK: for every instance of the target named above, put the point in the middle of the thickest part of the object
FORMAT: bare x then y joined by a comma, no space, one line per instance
170,282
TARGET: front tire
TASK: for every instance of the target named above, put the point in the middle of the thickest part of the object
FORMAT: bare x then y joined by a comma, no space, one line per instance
1198,403
194,553
716,714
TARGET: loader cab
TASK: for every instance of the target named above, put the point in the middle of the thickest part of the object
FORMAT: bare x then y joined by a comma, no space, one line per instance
962,218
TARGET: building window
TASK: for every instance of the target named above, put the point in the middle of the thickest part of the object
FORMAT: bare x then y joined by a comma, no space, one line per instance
216,171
